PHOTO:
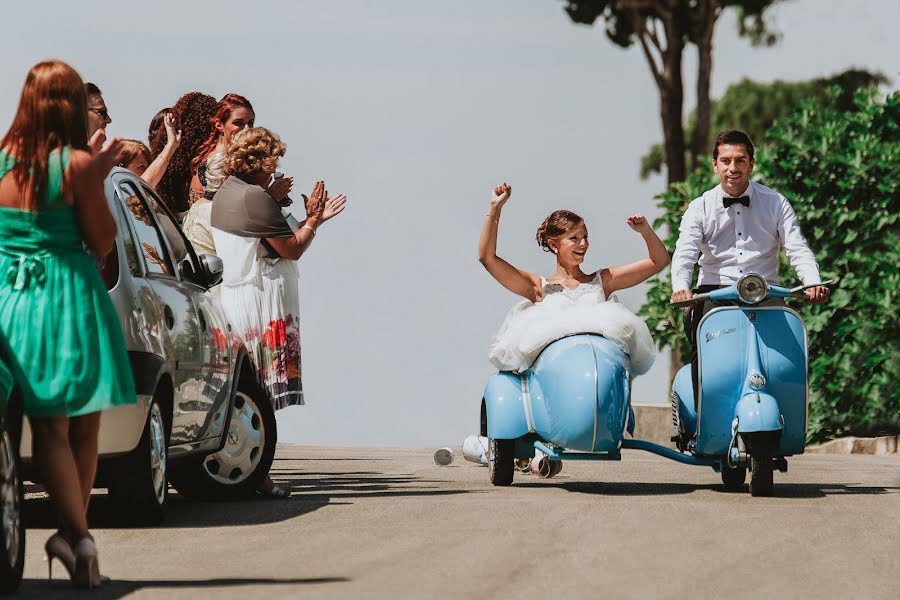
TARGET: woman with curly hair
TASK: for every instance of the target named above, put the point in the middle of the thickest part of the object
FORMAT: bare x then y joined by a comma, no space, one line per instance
259,249
192,113
234,113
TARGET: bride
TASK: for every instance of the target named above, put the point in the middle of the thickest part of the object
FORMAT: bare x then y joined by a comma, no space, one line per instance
570,301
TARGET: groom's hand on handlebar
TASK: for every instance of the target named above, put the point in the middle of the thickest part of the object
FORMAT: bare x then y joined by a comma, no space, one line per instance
682,295
817,295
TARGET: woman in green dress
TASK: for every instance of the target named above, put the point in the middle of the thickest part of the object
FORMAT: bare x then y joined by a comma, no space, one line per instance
59,332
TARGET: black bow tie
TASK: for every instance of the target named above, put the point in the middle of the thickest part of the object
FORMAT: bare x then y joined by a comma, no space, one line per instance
745,200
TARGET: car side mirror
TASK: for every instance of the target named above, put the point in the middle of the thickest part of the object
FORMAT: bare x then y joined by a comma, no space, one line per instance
212,268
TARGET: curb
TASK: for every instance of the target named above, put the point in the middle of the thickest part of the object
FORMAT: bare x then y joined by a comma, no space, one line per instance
877,446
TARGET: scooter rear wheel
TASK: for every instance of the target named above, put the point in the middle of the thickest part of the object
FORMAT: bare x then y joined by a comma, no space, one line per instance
501,463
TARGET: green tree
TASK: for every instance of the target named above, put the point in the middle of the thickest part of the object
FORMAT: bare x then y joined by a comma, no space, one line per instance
753,107
841,168
664,28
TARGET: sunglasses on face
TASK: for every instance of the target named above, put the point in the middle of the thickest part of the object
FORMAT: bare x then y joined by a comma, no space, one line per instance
104,114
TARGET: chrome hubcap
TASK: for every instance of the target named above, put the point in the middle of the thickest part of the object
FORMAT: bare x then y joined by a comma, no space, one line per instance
9,497
243,444
158,453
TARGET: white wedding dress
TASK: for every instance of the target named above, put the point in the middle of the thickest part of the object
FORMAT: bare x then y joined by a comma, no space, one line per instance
532,326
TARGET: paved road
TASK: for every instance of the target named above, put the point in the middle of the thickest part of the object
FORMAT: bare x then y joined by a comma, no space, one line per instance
389,523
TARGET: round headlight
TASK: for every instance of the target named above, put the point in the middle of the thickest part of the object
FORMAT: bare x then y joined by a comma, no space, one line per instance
752,288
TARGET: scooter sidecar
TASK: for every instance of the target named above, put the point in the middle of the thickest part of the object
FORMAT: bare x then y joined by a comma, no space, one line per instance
575,396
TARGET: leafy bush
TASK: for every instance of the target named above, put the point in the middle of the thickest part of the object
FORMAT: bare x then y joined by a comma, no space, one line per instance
841,170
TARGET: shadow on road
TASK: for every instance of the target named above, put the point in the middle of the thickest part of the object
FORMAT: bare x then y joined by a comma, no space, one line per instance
58,588
782,490
310,491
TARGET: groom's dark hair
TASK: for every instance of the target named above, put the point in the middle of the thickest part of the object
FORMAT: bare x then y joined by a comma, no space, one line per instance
733,137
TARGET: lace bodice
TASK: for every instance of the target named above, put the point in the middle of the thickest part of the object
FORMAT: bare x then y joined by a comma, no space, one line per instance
594,286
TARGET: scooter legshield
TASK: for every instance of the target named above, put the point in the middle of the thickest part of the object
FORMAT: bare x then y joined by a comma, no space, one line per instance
725,350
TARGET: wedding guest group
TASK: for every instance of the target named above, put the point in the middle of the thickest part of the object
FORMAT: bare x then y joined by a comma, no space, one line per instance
56,230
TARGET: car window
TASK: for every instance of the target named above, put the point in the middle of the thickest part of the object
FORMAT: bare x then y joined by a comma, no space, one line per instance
174,235
152,249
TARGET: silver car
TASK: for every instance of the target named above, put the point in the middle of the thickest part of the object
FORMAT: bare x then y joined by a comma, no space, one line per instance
202,421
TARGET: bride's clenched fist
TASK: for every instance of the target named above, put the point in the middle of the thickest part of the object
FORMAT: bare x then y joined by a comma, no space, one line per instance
500,195
638,222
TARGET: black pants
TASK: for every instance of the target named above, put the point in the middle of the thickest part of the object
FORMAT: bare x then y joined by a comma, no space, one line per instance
693,316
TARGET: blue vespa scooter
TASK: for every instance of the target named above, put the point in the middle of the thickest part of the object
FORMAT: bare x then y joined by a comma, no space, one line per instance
573,403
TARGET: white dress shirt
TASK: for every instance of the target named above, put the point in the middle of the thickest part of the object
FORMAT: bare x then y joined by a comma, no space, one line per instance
737,240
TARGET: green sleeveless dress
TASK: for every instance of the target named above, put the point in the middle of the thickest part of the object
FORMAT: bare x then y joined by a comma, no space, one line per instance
59,332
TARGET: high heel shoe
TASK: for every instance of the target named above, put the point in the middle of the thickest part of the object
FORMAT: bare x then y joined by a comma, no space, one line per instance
87,571
58,547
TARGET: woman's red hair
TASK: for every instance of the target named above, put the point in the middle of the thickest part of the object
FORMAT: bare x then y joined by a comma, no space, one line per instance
52,114
228,103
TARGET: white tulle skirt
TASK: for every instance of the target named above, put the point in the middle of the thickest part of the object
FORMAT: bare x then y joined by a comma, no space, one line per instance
530,327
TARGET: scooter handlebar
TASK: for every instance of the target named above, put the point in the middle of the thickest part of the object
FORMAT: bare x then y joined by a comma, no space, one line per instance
779,292
797,292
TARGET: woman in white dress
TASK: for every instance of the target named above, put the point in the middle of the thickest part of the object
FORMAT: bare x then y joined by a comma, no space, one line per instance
259,250
569,301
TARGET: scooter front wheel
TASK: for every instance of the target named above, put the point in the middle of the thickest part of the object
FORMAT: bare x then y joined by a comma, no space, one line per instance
762,453
501,463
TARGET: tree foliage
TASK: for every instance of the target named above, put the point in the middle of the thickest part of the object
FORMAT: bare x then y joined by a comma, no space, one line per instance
838,161
753,107
841,169
663,29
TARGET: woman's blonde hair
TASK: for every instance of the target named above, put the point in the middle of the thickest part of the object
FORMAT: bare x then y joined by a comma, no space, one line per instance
253,150
555,225
131,149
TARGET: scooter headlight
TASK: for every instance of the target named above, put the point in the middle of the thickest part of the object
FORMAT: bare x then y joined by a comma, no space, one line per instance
752,288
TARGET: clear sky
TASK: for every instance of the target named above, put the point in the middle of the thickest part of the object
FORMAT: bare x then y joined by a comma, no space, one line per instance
415,108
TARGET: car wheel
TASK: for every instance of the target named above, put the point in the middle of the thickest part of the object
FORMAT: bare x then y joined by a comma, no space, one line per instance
240,467
12,525
140,487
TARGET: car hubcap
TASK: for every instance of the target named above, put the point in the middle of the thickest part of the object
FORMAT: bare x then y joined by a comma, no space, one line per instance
9,497
243,444
158,453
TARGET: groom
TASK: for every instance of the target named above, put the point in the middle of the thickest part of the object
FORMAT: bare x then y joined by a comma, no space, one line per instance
737,228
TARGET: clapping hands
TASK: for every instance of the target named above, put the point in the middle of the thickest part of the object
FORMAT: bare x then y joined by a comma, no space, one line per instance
321,206
104,159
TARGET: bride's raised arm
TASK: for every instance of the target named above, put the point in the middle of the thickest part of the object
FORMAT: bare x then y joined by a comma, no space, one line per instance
626,276
515,280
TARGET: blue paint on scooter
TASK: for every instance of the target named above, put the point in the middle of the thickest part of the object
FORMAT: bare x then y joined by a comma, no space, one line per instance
574,403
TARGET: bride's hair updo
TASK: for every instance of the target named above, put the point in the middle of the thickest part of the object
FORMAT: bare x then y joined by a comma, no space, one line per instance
555,225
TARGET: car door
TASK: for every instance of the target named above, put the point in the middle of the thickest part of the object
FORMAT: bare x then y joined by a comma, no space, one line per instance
214,333
171,312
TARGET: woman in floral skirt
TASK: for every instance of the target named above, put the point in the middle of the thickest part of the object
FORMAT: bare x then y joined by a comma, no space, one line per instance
259,249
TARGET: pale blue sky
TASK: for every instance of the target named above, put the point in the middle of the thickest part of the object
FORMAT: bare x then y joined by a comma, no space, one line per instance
414,108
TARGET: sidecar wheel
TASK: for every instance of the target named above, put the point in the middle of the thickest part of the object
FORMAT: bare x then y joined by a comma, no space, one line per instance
733,479
501,463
